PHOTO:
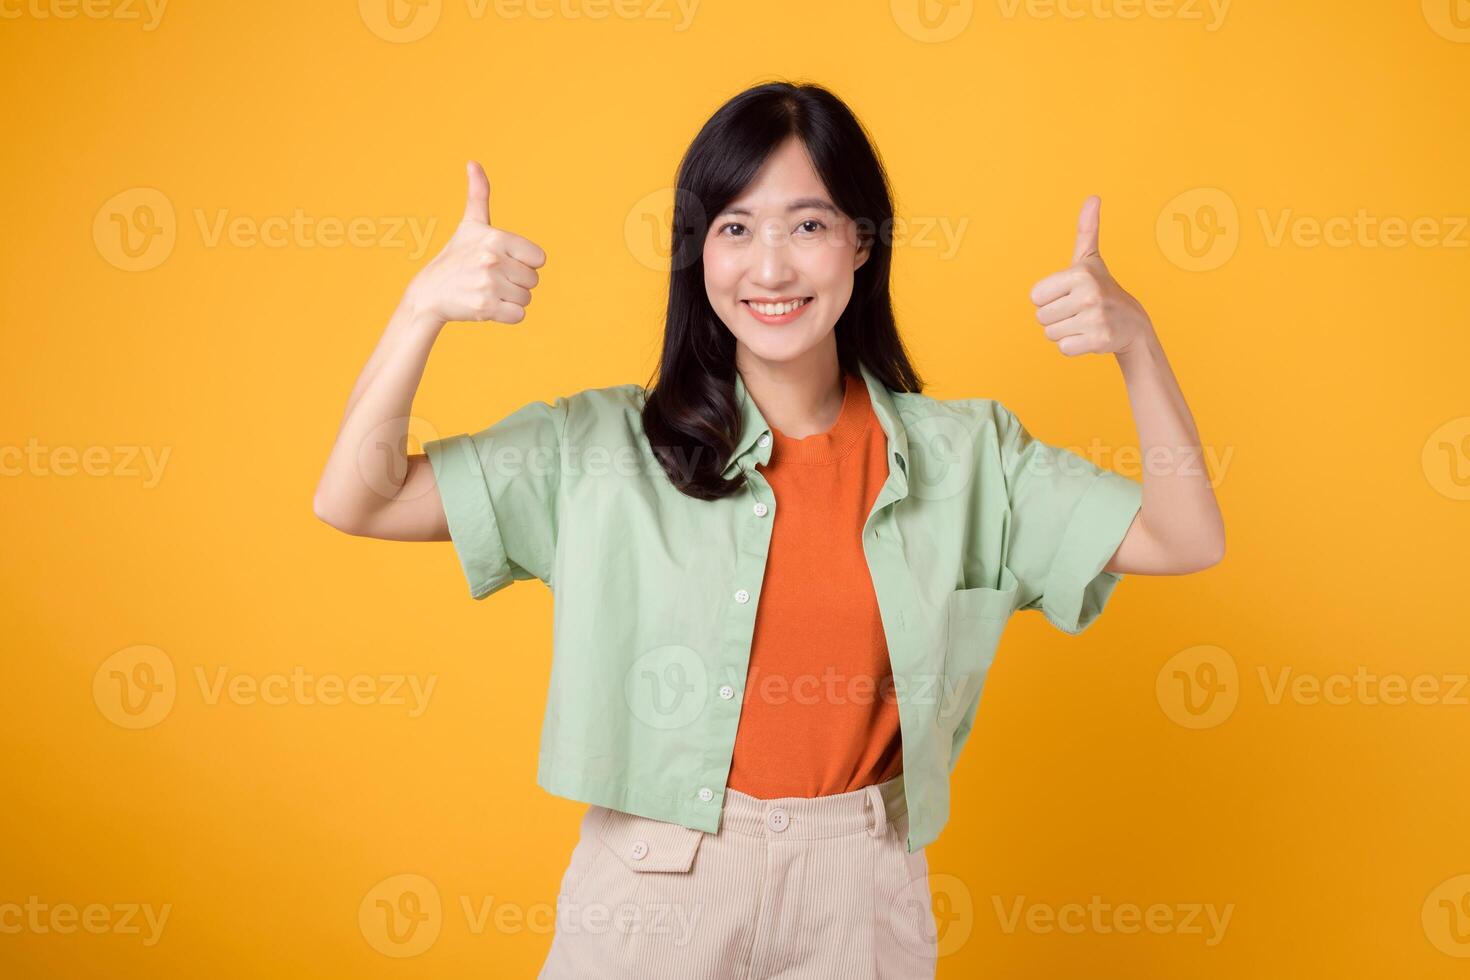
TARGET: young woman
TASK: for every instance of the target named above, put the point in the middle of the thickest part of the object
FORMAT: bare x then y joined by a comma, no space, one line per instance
781,571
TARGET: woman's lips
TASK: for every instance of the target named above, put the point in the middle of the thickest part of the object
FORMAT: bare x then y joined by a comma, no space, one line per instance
776,320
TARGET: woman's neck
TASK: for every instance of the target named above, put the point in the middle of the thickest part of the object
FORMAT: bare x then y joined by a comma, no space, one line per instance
797,398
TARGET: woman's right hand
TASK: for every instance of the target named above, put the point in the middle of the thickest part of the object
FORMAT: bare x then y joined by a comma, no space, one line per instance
483,272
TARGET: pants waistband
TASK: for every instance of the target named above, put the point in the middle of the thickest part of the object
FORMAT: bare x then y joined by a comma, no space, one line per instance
868,809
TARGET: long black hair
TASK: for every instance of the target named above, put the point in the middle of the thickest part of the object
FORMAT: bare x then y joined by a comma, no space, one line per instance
691,413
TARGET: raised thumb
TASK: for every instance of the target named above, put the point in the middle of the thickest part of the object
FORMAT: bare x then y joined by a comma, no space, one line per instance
477,199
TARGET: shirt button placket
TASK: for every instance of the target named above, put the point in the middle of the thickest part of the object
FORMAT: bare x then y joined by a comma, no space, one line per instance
753,544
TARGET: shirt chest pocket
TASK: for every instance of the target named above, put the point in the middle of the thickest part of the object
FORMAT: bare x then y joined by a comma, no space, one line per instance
974,620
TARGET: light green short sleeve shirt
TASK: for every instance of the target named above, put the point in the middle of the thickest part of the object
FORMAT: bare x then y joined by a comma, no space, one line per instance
655,593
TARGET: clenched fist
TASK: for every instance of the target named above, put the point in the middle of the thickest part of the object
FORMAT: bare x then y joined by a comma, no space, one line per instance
1082,307
483,272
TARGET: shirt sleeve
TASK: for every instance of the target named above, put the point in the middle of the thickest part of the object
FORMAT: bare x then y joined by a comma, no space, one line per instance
499,487
1067,518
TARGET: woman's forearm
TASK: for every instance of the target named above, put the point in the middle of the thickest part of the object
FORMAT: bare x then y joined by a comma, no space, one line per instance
1179,510
368,461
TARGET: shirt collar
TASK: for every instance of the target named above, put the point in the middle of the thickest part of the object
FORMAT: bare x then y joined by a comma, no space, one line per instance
753,426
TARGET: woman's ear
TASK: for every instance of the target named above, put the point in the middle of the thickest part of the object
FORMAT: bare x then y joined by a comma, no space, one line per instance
864,250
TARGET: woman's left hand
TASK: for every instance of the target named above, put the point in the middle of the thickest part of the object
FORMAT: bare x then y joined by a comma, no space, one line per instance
1082,307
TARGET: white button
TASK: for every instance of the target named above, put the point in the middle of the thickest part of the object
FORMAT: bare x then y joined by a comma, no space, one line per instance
778,820
741,595
639,851
706,794
764,440
726,691
760,510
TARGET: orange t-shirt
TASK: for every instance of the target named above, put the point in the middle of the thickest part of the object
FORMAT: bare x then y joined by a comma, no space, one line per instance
820,715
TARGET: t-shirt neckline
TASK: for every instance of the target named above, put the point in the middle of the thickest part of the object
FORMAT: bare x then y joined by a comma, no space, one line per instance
835,442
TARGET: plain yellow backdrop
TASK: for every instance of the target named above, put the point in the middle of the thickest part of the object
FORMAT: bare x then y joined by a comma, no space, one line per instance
1279,742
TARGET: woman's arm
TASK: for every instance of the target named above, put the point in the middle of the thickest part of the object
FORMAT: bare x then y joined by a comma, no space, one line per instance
1179,527
370,485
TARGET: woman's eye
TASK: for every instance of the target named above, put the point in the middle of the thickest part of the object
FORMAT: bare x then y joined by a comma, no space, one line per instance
818,226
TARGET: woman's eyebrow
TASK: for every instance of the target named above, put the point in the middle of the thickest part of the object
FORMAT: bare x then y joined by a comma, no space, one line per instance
799,204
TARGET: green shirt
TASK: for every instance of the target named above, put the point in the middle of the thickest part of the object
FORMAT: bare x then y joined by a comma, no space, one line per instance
655,593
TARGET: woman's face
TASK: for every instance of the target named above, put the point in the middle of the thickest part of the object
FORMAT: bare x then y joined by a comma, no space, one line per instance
781,241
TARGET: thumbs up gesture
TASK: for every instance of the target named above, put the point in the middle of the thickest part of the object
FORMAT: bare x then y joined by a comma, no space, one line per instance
483,272
1082,307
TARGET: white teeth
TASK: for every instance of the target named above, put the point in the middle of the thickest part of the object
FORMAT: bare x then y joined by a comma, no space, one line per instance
777,309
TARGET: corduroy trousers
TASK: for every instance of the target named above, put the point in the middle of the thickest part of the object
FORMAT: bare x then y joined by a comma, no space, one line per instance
794,888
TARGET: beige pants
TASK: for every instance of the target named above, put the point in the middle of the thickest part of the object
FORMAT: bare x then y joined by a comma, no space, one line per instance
793,888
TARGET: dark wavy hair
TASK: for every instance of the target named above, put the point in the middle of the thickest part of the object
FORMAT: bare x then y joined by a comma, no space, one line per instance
691,412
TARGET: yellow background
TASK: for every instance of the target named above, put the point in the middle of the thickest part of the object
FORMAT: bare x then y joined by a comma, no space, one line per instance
1328,378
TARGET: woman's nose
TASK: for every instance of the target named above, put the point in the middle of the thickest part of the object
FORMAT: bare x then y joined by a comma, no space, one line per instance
773,259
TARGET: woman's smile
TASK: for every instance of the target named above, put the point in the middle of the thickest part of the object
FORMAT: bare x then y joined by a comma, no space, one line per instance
777,313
